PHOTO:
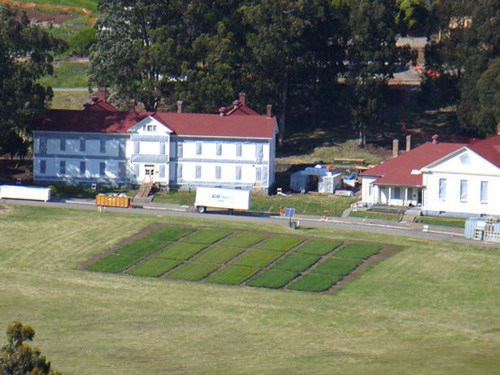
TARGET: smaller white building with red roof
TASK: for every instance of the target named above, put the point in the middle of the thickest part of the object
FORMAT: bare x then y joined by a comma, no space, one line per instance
101,144
449,179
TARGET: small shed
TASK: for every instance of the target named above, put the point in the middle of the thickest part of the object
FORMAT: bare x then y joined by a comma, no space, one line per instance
316,178
483,229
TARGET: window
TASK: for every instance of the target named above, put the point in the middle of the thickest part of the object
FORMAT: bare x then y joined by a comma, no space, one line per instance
63,144
43,166
238,173
464,187
179,171
370,190
151,128
442,189
163,148
258,174
218,172
62,167
198,148
218,149
259,152
82,168
82,145
180,150
239,147
409,194
102,169
136,147
102,145
397,193
198,171
122,170
484,191
43,146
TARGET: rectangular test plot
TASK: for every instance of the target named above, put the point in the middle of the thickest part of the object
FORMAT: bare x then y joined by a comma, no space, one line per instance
207,236
358,251
182,250
218,254
243,240
114,263
232,275
296,262
272,279
280,243
154,267
314,283
258,258
193,271
337,266
318,247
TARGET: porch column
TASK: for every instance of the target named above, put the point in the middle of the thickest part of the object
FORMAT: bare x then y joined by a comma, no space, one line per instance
389,197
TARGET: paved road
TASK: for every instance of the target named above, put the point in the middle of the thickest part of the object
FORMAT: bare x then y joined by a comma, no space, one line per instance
434,233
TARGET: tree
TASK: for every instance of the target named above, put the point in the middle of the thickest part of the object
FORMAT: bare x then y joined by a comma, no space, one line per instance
25,55
411,14
373,57
17,357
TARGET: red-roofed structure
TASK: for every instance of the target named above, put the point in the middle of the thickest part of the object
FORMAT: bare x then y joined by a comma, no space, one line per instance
102,144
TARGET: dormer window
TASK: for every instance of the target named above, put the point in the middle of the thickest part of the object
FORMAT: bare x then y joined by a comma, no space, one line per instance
151,128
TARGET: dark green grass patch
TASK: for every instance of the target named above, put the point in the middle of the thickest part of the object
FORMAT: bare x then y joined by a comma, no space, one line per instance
207,236
337,266
154,267
218,254
113,263
193,271
182,250
314,282
257,258
243,240
280,243
358,251
296,262
272,279
232,275
170,234
318,247
444,221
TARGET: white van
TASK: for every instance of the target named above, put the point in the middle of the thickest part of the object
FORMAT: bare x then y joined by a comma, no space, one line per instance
232,199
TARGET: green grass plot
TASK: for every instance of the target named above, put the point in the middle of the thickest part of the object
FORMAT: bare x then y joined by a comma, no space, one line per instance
193,271
182,250
154,267
257,258
207,236
280,243
113,263
170,233
334,266
272,279
243,240
296,262
218,254
358,251
318,247
314,282
232,275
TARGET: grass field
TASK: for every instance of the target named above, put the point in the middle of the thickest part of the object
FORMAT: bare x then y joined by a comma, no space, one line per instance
432,308
67,74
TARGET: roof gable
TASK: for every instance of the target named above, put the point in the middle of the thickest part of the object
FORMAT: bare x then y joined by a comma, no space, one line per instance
464,161
142,127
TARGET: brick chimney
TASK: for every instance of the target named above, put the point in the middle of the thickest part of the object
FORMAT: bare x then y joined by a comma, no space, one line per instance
222,111
101,93
179,106
131,105
435,139
408,143
242,98
269,110
395,148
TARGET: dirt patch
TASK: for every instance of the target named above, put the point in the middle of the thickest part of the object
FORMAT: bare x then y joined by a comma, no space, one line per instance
143,233
38,16
59,15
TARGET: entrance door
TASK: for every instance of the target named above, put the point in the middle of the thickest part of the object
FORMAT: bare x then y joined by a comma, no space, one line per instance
149,172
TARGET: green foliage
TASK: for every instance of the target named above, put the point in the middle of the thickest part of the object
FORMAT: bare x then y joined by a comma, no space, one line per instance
358,251
232,275
272,279
183,250
114,263
243,240
318,247
296,262
411,14
154,267
193,271
375,215
257,258
207,236
334,266
219,255
17,357
67,74
446,222
280,243
314,283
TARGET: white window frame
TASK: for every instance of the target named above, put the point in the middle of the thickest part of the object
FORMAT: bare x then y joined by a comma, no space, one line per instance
442,189
464,191
484,192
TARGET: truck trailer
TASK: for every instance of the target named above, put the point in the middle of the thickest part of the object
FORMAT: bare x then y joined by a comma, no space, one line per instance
231,199
25,192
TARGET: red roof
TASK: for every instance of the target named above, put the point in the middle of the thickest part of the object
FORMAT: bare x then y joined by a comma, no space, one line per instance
488,148
398,171
183,124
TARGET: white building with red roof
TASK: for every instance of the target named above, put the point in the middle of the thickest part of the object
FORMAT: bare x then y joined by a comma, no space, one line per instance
449,179
101,144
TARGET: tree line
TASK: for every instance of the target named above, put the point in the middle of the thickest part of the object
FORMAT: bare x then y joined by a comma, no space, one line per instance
316,54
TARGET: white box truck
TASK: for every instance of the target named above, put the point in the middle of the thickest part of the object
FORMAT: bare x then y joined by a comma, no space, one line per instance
25,192
232,199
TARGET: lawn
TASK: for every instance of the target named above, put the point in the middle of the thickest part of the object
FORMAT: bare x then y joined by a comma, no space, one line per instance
443,221
67,74
431,308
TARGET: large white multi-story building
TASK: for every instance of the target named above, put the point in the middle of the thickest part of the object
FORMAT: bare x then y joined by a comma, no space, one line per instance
100,144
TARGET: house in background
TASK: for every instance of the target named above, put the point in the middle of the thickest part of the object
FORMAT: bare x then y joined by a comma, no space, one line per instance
101,144
442,178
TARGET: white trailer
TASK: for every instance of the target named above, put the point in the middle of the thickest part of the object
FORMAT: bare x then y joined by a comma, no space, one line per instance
232,199
25,192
